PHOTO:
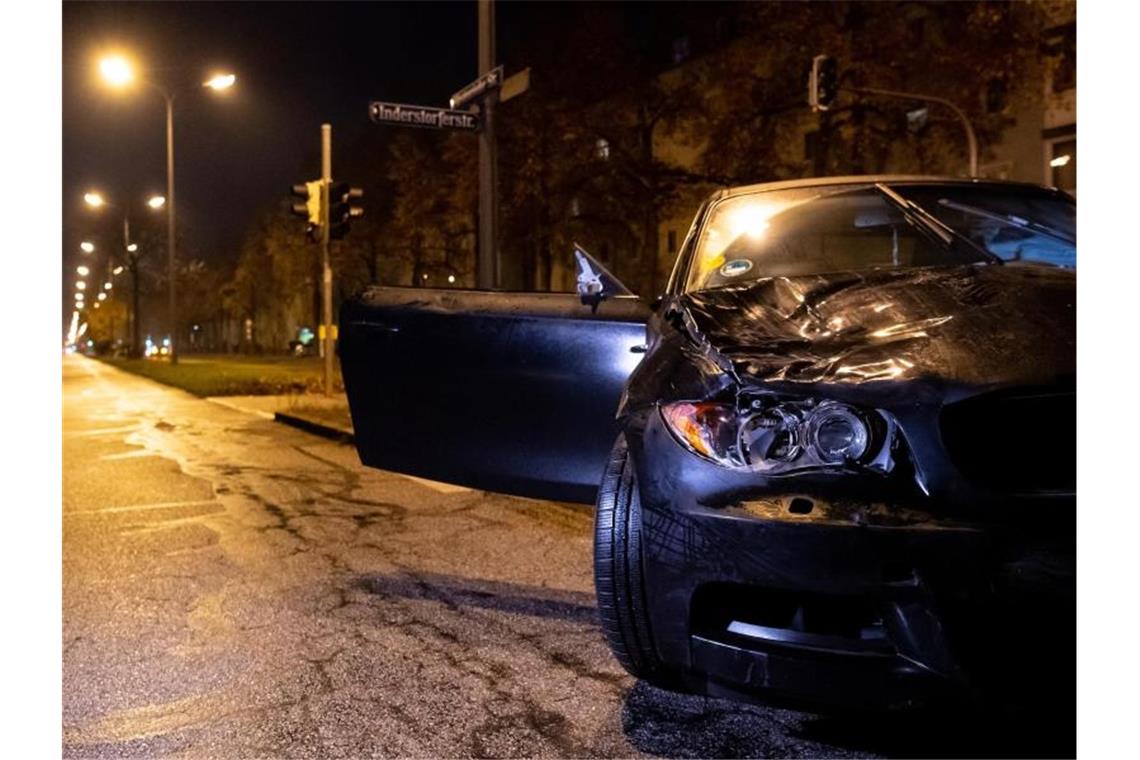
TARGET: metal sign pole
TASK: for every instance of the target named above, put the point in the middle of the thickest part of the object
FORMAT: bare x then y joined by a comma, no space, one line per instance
487,264
326,269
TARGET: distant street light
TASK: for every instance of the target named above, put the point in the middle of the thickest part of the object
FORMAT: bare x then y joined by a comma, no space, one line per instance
220,82
94,199
106,286
82,271
154,202
87,246
118,72
81,285
102,296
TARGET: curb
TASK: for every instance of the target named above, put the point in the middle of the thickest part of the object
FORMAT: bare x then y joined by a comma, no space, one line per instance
316,428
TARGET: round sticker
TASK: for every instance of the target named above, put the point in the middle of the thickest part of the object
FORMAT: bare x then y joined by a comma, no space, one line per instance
735,268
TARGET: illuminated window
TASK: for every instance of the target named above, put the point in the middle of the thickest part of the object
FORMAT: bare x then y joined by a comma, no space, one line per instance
1063,165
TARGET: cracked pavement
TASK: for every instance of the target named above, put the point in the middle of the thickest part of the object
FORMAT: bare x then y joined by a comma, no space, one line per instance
234,587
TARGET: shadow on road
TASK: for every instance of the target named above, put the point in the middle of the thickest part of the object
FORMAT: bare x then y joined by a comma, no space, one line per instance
456,592
663,723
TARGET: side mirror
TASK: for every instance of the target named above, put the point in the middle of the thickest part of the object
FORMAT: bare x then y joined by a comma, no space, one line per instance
595,283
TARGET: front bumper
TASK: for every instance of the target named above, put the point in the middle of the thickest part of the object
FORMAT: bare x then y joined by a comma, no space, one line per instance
825,600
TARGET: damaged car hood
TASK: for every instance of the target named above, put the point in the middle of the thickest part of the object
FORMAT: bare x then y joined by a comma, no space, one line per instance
979,325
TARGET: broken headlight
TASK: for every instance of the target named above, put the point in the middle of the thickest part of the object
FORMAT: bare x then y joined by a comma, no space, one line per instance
776,436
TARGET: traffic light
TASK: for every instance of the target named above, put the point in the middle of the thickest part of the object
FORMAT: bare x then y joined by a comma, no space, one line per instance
341,209
823,83
310,208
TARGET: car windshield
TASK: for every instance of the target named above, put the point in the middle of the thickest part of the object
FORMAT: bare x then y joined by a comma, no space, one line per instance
1014,224
816,230
824,229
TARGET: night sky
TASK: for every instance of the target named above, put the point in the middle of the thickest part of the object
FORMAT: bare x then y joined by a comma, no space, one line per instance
298,65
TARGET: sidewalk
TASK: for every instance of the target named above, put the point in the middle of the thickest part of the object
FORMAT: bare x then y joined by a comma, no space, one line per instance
324,415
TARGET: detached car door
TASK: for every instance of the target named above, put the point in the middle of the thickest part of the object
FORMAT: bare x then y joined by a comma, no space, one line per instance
510,392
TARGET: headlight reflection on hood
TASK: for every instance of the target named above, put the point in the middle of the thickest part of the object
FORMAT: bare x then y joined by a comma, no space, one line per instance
777,436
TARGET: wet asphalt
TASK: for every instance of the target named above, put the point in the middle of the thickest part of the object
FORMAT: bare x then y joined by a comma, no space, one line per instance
237,588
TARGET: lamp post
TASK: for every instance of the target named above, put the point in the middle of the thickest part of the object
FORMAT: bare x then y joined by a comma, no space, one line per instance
118,72
96,200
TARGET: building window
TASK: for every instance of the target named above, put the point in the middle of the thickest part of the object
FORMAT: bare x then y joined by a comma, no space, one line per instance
1061,43
811,145
603,148
1063,164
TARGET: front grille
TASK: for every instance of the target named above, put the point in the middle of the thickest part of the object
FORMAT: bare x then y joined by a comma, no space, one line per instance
1015,442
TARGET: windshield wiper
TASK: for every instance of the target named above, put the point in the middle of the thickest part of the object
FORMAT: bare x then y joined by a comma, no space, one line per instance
1010,219
920,217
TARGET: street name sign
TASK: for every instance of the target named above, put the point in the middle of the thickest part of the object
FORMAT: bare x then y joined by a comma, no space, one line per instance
486,82
514,85
405,115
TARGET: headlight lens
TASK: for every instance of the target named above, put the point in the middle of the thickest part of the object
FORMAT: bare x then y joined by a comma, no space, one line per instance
776,436
838,434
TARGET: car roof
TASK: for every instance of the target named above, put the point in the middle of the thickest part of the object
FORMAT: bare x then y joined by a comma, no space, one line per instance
869,179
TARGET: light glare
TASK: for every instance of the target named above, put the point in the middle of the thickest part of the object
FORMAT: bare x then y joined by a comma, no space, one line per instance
220,82
116,71
87,247
156,201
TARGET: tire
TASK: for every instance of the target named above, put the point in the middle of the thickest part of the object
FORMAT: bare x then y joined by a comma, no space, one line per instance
618,569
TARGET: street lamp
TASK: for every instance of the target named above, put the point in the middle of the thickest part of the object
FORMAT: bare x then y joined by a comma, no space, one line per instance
81,285
156,202
118,72
82,271
87,246
94,199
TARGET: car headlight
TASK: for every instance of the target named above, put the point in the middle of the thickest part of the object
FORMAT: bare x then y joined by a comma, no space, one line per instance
776,436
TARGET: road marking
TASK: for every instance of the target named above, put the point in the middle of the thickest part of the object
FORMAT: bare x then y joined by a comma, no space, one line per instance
128,455
435,485
140,507
103,431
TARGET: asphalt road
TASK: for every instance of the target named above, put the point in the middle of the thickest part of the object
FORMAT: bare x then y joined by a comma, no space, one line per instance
237,588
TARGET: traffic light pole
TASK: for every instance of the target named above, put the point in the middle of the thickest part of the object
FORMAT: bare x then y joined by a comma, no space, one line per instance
326,268
971,138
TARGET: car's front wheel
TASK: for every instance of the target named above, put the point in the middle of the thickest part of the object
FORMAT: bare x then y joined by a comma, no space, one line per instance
618,569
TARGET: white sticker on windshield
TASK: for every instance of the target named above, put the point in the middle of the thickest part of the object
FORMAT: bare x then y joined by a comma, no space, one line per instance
735,268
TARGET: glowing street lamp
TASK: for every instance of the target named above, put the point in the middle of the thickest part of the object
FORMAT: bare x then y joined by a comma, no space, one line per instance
87,246
156,202
95,200
131,249
220,82
116,71
119,269
102,296
106,286
82,271
81,285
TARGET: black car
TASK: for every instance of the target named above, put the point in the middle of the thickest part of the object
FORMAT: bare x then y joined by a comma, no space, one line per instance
834,463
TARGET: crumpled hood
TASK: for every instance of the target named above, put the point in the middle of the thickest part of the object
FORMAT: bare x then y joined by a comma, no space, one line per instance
981,325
